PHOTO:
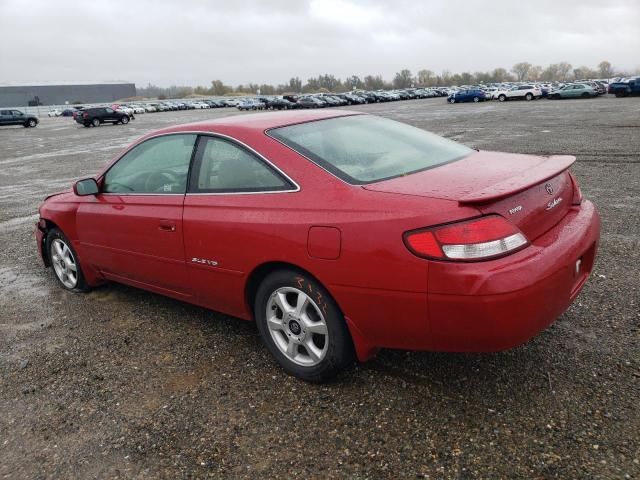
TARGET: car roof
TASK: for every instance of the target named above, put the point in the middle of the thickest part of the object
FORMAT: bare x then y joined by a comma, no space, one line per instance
257,122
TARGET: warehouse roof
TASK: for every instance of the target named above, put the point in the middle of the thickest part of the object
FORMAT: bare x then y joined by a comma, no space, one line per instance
57,84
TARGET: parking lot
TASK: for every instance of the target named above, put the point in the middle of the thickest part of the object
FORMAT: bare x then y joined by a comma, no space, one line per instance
121,383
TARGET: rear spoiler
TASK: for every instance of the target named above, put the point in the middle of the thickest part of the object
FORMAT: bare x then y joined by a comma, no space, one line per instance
553,165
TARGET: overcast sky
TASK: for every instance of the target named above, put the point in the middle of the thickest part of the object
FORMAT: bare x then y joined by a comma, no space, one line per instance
191,42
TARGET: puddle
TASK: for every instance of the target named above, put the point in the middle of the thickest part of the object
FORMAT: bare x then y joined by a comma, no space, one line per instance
25,286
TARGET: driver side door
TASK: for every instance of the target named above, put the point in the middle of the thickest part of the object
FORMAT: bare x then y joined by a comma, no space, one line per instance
132,230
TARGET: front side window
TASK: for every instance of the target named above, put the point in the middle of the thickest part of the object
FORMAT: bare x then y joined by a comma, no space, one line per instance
158,165
224,167
363,149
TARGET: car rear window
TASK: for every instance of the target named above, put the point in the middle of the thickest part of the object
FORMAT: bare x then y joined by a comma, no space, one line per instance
363,149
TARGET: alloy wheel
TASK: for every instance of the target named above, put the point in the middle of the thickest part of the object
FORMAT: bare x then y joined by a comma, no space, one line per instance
297,326
64,264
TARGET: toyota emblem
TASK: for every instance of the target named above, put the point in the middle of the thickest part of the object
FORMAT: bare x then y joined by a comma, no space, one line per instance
549,188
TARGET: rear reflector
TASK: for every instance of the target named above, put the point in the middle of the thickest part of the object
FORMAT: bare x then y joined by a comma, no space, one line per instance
472,240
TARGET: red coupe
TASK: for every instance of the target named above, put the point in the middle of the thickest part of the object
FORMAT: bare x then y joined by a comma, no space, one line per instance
339,233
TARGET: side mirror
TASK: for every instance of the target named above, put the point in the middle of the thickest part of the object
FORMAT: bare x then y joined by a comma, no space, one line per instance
85,187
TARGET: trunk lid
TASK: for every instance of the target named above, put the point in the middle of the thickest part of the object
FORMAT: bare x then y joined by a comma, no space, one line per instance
532,192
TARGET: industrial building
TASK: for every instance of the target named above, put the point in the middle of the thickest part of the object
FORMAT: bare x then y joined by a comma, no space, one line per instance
64,93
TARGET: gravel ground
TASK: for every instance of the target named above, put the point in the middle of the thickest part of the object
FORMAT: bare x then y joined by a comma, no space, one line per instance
121,383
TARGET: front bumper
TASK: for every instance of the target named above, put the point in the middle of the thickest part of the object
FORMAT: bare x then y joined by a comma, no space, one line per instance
40,236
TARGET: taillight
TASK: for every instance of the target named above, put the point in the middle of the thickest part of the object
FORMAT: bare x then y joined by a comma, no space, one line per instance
85,115
577,193
472,240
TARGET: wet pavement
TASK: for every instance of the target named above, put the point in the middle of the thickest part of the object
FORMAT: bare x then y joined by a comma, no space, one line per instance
121,383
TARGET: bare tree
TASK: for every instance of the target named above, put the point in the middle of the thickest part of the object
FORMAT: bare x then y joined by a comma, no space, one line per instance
374,83
425,77
219,88
521,70
563,70
295,84
605,69
535,73
500,75
403,79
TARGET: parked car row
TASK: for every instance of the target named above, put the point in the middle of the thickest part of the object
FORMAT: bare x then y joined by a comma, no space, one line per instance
527,91
501,92
319,100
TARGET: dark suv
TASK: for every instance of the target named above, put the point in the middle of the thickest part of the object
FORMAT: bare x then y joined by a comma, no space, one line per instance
16,117
98,115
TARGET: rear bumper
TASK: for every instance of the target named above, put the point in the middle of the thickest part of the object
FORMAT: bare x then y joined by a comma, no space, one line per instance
482,306
492,306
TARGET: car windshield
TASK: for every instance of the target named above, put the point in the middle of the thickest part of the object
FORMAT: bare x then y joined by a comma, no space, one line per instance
362,149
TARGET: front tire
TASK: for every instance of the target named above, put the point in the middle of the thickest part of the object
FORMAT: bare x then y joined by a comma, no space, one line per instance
302,326
476,99
502,98
124,120
65,263
30,123
452,100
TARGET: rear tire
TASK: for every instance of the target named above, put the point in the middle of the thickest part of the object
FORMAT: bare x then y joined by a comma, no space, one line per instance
476,99
64,260
586,95
452,100
528,97
124,120
302,326
502,98
95,122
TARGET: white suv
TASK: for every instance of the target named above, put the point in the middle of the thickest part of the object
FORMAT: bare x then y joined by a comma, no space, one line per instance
519,92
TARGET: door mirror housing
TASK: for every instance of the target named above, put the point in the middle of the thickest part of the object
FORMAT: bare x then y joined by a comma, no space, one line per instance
85,187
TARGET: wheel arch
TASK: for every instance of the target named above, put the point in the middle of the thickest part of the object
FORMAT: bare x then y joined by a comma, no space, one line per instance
48,226
363,347
263,270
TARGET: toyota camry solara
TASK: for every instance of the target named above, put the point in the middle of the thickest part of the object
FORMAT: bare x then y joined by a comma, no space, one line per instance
338,233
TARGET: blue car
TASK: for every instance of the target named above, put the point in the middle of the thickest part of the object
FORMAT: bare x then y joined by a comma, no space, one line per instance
467,96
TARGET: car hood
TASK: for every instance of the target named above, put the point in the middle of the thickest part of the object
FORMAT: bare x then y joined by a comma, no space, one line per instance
57,194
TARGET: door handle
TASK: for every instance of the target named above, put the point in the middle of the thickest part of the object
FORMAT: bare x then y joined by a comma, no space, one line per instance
167,226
